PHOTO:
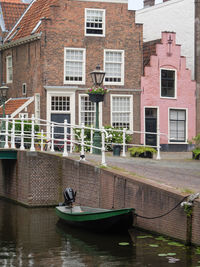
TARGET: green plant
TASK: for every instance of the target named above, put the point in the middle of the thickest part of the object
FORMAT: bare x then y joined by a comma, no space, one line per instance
196,140
87,138
140,151
98,90
196,153
116,137
188,210
27,130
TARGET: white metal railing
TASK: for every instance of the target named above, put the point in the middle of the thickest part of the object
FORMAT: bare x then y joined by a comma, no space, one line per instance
32,134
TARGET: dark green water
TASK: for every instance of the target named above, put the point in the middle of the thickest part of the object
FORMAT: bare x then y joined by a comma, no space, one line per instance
32,237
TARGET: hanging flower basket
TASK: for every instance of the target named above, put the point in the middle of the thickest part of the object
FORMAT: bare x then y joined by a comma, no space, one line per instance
96,97
96,94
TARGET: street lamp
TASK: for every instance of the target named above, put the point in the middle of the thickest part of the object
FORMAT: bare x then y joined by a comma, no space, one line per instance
3,97
97,77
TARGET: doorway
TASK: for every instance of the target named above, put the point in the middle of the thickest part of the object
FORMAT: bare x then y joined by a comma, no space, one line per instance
151,126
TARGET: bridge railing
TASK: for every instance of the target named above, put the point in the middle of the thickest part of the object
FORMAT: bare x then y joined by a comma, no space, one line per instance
37,134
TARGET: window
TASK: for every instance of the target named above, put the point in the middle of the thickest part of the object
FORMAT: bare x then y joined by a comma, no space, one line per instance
168,83
60,103
9,69
24,91
74,71
87,111
177,121
114,67
95,22
121,111
37,105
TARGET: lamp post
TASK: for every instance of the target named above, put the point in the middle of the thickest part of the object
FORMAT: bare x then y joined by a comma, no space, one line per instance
3,97
97,77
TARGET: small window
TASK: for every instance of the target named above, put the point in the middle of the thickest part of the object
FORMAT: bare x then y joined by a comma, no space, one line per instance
177,121
168,83
9,69
114,67
74,66
87,111
60,103
24,89
121,113
95,22
37,105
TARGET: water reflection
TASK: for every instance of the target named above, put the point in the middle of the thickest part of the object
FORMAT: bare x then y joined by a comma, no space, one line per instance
34,237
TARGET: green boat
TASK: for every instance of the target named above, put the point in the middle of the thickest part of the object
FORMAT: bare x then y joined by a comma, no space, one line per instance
96,219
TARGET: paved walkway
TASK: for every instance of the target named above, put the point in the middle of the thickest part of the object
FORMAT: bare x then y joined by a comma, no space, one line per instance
175,169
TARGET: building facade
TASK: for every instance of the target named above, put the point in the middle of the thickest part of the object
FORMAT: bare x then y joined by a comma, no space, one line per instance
168,101
50,54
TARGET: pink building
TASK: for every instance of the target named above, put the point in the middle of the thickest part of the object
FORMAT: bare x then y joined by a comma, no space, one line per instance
168,95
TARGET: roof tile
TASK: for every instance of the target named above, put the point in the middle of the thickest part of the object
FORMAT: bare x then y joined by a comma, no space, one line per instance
12,105
12,12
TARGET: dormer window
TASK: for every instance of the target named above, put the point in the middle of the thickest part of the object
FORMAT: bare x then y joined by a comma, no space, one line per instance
94,22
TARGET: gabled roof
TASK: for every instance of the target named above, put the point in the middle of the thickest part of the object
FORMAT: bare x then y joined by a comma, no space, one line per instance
30,19
14,104
149,49
12,11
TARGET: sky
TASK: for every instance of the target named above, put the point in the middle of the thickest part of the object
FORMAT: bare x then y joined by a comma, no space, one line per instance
138,4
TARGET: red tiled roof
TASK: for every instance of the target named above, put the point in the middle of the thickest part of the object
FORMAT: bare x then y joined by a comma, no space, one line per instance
12,105
37,10
149,49
12,11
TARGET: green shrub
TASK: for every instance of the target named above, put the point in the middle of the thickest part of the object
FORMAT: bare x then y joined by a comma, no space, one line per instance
117,137
87,138
140,151
196,153
27,130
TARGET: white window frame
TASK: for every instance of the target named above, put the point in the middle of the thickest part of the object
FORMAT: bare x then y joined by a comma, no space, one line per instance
83,62
37,105
103,22
175,84
24,89
131,108
186,125
100,110
9,69
122,67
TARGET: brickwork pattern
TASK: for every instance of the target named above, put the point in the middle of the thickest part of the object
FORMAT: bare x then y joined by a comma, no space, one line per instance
38,179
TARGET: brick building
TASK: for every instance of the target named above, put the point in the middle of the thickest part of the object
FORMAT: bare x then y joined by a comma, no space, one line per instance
56,44
168,95
182,17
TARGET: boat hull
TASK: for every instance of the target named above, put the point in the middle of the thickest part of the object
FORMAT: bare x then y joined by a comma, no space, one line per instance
98,219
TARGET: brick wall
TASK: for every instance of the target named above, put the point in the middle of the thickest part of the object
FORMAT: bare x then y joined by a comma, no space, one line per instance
38,179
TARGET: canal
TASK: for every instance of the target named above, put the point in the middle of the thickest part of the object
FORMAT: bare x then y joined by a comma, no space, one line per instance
34,237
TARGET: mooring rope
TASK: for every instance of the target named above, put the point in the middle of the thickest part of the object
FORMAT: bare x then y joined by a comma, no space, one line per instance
151,218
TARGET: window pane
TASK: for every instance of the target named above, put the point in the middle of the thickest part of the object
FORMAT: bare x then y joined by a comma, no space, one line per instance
74,66
113,66
94,21
88,111
167,83
121,112
177,125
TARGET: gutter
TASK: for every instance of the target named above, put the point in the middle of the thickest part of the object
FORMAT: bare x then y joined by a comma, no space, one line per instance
20,41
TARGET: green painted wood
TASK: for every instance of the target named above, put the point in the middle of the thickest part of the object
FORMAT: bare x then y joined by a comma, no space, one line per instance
8,154
92,215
